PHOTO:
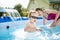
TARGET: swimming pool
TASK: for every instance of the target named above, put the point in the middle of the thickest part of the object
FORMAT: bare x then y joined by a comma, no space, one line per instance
17,33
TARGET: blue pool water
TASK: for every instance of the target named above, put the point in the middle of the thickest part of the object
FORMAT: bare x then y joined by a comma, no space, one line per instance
17,33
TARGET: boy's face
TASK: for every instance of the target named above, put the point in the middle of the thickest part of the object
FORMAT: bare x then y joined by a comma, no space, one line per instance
33,17
33,20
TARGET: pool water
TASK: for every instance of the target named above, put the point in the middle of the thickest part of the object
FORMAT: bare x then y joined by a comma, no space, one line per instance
19,34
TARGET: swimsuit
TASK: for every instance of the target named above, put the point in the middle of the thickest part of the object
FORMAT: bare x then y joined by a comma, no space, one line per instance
52,16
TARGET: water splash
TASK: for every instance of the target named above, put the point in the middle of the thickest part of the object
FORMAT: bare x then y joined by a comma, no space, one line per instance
21,35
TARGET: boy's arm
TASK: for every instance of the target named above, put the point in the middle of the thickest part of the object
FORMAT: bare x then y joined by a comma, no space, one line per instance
26,28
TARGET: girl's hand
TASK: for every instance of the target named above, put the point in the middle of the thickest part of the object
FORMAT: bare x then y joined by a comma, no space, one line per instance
53,24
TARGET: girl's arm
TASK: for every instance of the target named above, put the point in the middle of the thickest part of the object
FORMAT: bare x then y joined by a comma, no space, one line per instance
44,21
54,22
44,18
57,15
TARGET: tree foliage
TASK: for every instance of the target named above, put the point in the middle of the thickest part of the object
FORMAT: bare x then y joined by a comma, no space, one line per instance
21,10
18,8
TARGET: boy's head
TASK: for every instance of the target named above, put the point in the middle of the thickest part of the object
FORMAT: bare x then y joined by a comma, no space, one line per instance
33,16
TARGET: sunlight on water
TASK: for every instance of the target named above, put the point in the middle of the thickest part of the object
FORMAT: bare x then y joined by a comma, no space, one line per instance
21,35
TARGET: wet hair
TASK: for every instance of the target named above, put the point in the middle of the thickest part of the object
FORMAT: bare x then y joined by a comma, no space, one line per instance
38,9
30,14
